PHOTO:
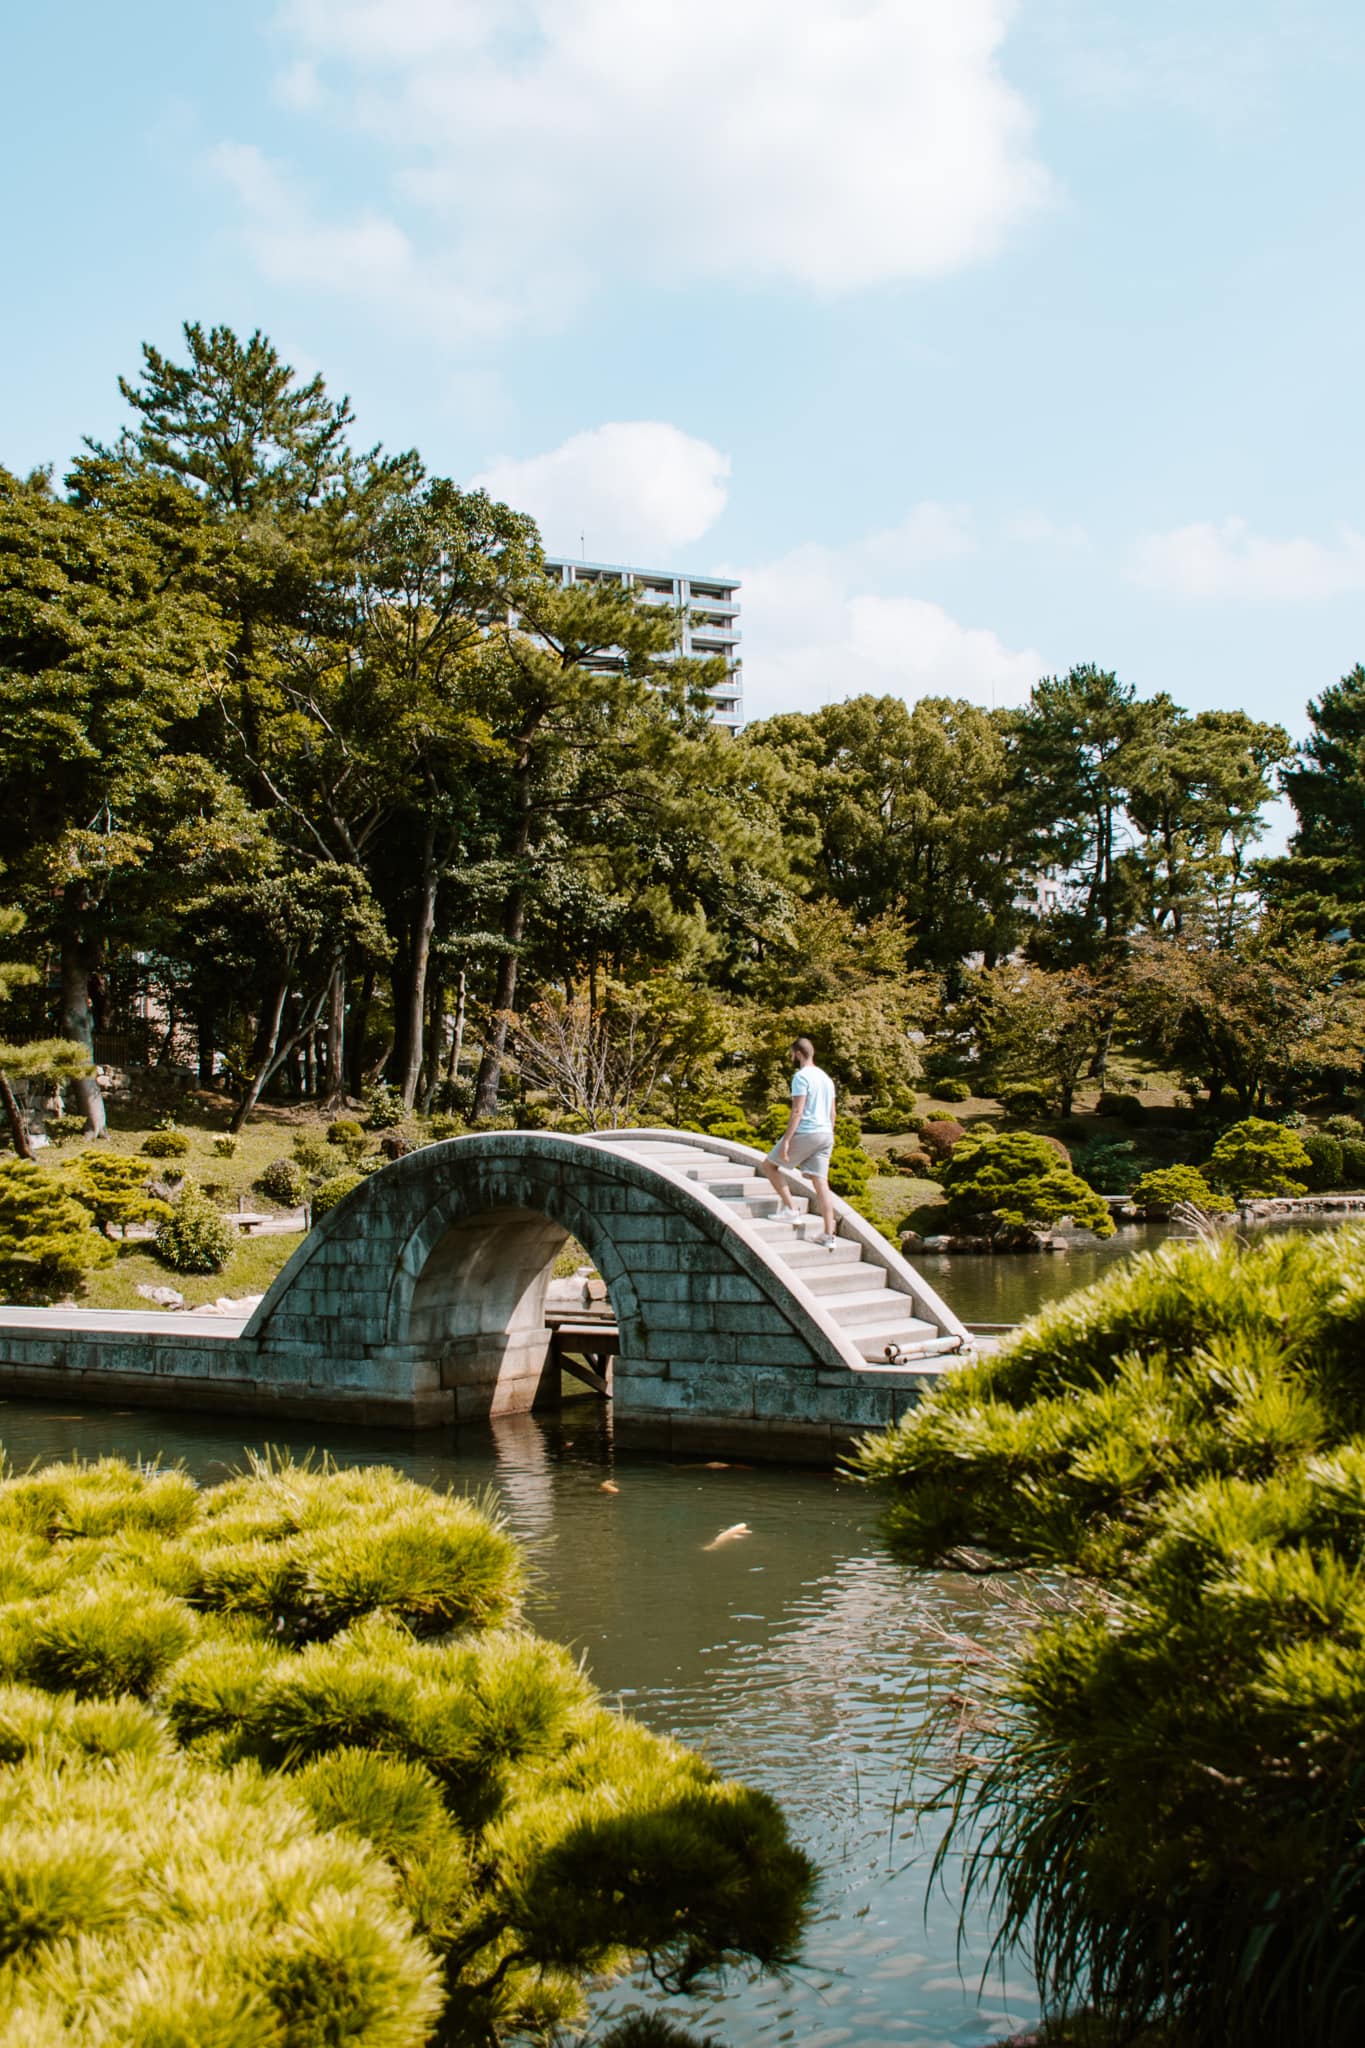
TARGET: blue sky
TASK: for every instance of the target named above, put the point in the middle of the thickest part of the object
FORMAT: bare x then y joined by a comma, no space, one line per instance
980,339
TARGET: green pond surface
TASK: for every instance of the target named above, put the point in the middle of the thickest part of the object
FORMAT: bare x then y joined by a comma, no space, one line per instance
1007,1287
799,1657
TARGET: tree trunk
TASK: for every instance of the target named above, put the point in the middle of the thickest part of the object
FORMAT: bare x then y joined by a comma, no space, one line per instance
18,1129
334,1075
505,995
78,960
514,923
360,1018
436,1026
457,1040
263,1056
414,1018
203,1031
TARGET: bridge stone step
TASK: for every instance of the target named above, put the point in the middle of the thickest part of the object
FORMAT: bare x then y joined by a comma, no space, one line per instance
804,1253
849,1276
872,1338
865,1307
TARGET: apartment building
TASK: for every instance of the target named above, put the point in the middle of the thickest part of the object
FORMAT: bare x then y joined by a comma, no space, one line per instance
710,608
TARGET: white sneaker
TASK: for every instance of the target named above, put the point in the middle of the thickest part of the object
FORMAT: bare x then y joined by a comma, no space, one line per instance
826,1239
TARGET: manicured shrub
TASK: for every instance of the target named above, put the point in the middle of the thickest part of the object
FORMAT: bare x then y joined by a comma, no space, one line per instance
346,1132
333,1190
114,1189
1344,1126
1128,1108
1325,1157
59,1130
912,1159
47,1240
952,1088
197,1238
225,1146
1256,1157
1158,1790
284,1181
1159,1191
1024,1101
384,1108
447,1123
883,1119
166,1145
344,1775
1353,1162
1011,1183
940,1135
313,1154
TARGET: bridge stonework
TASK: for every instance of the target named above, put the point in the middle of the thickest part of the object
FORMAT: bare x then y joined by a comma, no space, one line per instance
420,1301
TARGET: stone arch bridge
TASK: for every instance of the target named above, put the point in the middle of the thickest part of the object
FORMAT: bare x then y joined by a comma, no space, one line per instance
424,1292
421,1301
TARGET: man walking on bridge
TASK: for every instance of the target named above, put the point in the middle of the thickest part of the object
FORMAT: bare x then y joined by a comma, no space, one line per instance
808,1140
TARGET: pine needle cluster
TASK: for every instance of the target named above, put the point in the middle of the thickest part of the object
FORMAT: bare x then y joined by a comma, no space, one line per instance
280,1763
1161,1790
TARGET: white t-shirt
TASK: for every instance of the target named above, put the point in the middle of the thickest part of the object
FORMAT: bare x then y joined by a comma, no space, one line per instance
814,1083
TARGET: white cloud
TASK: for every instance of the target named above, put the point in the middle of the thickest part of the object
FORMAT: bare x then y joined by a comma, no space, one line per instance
821,624
546,144
1229,560
367,256
634,490
1039,530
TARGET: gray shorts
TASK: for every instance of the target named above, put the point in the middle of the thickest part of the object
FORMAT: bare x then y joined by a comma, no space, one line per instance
808,1150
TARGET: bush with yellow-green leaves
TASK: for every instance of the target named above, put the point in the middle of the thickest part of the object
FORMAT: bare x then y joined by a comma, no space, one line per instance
281,1764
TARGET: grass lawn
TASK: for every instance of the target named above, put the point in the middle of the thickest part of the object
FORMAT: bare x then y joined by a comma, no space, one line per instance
250,1270
269,1135
891,1196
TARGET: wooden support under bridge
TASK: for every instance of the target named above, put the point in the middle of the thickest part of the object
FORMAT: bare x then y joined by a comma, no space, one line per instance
583,1344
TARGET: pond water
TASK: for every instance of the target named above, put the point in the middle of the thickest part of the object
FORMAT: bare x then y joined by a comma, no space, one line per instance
800,1657
984,1287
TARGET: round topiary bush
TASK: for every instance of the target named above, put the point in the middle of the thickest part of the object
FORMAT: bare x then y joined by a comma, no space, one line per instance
1326,1156
384,1108
952,1089
313,1154
1129,1109
48,1241
346,1131
58,1130
1256,1157
1024,1101
195,1238
166,1145
1012,1184
1353,1162
1343,1126
334,1190
1158,1192
285,1181
940,1135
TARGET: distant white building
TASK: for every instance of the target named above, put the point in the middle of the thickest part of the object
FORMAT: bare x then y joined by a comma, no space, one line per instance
710,610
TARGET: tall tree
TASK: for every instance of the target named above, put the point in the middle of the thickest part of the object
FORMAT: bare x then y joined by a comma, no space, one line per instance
907,810
105,658
588,700
1321,879
1074,746
1198,789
